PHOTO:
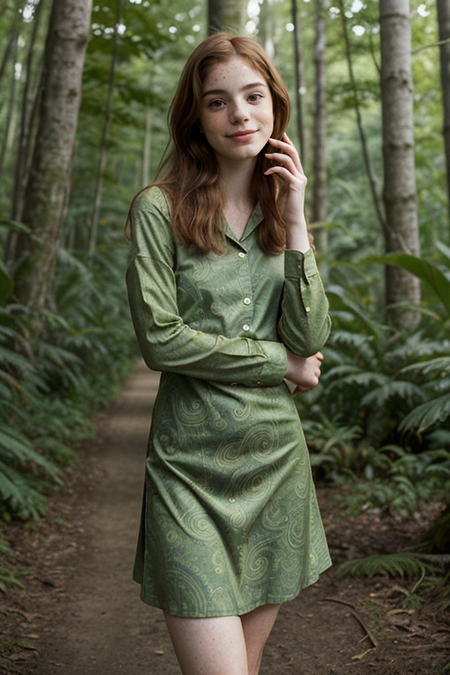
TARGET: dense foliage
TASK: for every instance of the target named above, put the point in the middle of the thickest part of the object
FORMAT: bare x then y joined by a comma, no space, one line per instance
379,419
52,380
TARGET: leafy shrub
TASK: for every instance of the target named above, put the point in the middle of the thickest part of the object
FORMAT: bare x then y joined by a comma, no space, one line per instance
380,416
51,380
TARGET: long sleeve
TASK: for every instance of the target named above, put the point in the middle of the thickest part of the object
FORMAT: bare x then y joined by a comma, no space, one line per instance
305,324
167,343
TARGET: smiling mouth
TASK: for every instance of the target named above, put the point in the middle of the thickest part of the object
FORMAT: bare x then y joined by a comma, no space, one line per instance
244,135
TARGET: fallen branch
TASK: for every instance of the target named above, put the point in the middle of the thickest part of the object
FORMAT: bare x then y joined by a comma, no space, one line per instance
354,613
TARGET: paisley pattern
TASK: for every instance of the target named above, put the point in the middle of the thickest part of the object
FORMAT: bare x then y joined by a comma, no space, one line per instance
230,518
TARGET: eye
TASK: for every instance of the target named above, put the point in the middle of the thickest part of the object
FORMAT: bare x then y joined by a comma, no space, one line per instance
254,97
217,103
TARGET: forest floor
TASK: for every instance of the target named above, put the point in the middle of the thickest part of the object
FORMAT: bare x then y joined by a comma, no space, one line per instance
79,613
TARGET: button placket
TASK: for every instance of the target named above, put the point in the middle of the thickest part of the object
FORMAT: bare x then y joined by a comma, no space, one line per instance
247,290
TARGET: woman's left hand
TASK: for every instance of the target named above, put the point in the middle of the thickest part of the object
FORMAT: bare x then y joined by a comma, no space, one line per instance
303,372
292,203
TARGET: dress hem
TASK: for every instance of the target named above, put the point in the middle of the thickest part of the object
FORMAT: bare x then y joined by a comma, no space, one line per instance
269,600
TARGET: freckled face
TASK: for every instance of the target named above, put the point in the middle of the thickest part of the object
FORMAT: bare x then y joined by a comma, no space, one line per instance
237,111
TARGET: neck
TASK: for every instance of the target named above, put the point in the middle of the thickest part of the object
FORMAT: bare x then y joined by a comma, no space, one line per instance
239,202
236,183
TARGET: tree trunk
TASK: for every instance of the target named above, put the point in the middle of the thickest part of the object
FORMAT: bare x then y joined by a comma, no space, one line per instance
11,48
299,82
26,123
11,104
146,154
226,15
319,186
399,194
371,175
443,8
48,186
95,216
266,30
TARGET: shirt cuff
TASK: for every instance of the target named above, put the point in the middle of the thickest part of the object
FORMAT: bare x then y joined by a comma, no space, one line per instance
298,265
273,371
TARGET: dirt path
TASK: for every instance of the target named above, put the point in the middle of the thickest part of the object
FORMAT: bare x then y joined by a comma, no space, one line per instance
102,626
80,614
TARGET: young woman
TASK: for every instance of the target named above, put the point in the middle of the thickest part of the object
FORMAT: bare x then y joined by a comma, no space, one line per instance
227,302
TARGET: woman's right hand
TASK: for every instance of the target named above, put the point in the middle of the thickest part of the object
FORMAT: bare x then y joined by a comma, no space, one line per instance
303,372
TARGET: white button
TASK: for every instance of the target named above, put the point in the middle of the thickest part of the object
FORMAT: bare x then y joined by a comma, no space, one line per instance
246,326
307,309
241,254
247,301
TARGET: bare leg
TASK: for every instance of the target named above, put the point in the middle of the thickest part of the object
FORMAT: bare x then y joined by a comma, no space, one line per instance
229,645
213,646
257,626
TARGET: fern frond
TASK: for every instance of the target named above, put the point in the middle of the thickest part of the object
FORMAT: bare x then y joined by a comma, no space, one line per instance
348,338
8,489
398,388
402,565
427,414
340,301
440,364
9,357
16,448
351,376
26,499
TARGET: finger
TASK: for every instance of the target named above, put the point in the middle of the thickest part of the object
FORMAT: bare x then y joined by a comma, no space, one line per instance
288,147
284,160
284,145
297,181
288,140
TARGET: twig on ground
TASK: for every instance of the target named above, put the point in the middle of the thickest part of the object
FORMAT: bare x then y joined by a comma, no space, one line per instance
370,635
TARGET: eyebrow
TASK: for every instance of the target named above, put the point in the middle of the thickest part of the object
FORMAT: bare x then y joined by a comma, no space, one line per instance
219,92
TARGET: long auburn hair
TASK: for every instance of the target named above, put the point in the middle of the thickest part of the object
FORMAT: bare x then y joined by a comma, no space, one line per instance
189,174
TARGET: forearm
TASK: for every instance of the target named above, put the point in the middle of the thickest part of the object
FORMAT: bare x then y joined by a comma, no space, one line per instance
297,238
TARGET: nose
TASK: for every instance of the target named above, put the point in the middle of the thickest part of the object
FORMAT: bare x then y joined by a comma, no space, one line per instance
238,112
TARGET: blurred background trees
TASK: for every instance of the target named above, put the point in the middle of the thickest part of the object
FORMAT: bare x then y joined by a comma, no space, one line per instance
369,84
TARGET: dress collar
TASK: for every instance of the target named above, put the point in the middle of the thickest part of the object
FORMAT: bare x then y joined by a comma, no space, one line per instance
253,222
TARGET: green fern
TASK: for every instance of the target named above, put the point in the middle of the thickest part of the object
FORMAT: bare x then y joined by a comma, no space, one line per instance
440,365
433,582
427,414
404,565
360,318
403,390
56,450
8,573
18,449
26,499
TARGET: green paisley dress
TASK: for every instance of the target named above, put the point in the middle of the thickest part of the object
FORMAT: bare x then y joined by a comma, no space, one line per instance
230,518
